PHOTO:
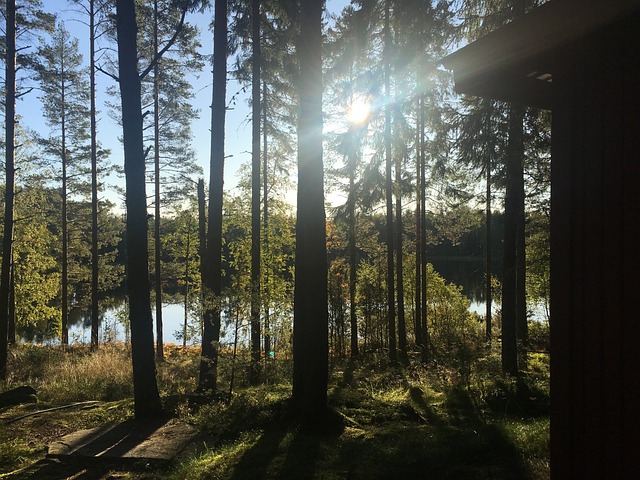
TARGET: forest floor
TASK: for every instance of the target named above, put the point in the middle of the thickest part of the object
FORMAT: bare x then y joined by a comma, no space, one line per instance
390,423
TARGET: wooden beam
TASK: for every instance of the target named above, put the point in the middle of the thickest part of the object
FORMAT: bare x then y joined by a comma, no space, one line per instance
509,87
540,33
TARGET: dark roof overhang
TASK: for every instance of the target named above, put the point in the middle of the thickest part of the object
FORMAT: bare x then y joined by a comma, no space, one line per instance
516,62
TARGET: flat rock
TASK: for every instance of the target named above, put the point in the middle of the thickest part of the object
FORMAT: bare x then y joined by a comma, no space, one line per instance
132,442
18,396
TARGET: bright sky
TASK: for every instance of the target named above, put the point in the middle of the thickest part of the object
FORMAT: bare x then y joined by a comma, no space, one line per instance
238,127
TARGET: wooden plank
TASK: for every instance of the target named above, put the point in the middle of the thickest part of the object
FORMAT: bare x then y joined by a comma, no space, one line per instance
134,441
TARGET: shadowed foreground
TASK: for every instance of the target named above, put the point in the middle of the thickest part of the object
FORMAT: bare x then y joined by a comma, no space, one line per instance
397,431
384,423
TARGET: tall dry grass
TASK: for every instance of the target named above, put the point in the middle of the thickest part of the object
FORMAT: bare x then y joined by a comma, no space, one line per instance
73,374
102,375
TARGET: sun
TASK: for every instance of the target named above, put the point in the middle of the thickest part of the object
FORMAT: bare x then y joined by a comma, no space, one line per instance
359,112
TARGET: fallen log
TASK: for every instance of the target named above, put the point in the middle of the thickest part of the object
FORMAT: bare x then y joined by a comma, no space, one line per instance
63,407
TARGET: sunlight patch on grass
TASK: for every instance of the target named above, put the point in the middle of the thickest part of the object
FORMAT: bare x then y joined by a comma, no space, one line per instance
530,436
214,462
394,396
250,410
217,463
103,375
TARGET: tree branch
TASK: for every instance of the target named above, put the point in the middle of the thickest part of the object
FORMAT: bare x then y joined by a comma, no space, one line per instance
167,46
101,70
26,92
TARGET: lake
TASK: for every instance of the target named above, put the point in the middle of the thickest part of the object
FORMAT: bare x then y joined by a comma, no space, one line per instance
112,329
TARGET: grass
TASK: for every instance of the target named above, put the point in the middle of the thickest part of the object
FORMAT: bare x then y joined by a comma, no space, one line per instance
394,422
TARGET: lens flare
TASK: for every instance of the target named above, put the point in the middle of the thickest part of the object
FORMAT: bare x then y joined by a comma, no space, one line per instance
359,112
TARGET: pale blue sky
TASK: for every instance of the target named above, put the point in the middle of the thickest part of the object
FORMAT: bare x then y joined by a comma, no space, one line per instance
238,130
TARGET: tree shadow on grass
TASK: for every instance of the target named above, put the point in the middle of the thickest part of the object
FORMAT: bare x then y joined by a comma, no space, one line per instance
288,451
451,442
256,460
280,453
49,469
464,445
422,408
448,440
302,457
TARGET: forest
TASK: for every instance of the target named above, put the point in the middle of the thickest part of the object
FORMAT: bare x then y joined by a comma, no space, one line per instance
368,299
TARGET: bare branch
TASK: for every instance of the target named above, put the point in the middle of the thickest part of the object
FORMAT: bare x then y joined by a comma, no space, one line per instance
108,74
22,94
167,46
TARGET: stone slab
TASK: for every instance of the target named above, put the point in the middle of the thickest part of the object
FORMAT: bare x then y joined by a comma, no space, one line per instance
130,442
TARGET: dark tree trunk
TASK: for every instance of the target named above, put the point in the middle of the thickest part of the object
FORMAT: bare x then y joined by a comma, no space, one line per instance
265,212
145,389
310,337
12,306
212,284
402,329
7,238
418,275
254,372
519,201
391,312
353,269
423,237
95,268
488,253
521,259
202,232
65,223
156,163
186,284
511,206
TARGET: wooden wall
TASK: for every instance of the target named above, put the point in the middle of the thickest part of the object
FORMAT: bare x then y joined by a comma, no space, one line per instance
595,249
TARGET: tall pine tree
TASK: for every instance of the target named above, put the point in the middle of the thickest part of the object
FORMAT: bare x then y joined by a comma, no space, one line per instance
212,271
310,340
65,98
31,20
146,395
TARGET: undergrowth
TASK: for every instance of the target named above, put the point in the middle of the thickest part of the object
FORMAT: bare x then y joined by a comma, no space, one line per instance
413,421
